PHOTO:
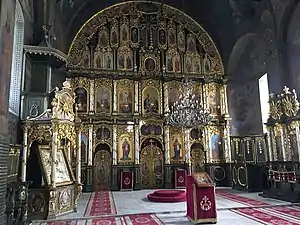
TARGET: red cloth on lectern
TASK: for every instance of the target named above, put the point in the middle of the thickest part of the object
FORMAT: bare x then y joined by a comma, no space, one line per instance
201,203
126,180
180,178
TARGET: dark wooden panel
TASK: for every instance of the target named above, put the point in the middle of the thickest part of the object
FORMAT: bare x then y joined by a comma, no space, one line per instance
220,173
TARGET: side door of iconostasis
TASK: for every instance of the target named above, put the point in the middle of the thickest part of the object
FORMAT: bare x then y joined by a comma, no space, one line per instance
102,157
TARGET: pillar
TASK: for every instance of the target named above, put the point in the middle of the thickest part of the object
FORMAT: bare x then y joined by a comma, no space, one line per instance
69,151
274,145
24,155
282,141
78,156
49,78
136,97
115,146
287,144
23,86
167,144
207,149
137,144
224,100
90,152
270,137
55,143
298,139
92,96
227,151
188,150
115,97
166,98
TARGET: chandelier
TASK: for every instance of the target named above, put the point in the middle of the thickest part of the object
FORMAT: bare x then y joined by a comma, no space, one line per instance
188,111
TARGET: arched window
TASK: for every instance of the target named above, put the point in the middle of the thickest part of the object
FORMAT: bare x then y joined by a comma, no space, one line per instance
264,99
16,70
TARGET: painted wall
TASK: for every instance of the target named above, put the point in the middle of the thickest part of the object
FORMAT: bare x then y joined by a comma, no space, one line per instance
293,52
6,46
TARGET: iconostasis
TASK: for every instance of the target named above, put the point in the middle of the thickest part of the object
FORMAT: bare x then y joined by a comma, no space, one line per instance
126,64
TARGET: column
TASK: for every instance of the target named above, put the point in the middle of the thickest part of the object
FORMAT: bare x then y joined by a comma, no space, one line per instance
137,144
92,96
298,139
23,72
24,158
166,98
69,150
188,149
115,145
227,150
78,157
287,144
167,144
269,136
282,141
274,145
136,97
49,78
22,107
90,152
115,99
225,100
207,144
55,144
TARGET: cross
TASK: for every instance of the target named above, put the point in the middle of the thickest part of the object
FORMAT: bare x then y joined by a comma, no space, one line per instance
151,142
286,90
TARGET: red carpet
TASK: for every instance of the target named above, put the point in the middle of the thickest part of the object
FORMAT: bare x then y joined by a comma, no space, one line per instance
100,203
146,219
59,223
105,221
167,196
288,211
240,199
143,219
264,218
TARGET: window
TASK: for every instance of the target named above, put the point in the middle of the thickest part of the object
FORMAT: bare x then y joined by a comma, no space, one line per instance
264,99
16,71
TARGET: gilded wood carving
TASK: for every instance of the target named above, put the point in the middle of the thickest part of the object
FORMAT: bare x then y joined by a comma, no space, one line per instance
173,19
136,62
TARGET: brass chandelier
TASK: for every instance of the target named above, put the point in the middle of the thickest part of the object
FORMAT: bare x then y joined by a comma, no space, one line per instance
188,112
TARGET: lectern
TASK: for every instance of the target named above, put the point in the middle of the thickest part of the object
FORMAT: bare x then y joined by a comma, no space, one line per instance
200,196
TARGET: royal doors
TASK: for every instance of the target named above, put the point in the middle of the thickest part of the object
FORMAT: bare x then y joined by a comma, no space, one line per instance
102,170
152,167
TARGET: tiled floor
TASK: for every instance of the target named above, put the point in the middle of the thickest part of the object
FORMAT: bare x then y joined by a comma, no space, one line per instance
135,202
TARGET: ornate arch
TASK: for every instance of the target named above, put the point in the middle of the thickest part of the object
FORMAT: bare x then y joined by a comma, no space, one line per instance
88,30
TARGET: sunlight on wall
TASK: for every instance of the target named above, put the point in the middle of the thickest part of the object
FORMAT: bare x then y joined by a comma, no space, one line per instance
264,99
16,70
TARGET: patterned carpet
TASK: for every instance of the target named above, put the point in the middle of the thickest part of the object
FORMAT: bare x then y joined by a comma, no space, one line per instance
101,210
100,203
143,219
